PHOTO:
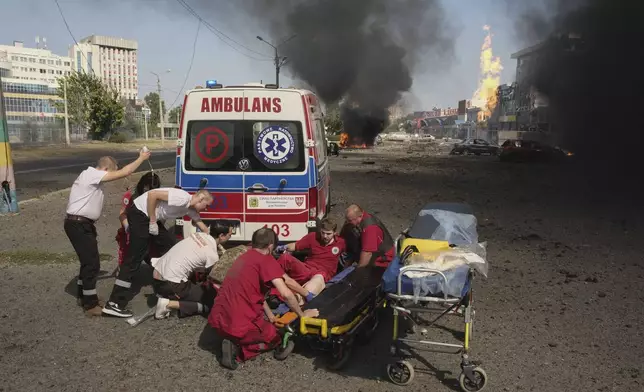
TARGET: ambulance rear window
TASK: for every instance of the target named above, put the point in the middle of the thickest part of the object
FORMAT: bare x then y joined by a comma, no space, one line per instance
230,145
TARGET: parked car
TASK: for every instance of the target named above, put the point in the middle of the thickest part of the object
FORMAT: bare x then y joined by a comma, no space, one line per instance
474,146
513,150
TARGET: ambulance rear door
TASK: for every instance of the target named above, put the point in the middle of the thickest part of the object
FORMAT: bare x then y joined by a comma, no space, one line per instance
213,149
279,175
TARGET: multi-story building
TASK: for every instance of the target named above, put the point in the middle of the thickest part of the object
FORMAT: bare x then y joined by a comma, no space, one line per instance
35,64
114,60
30,89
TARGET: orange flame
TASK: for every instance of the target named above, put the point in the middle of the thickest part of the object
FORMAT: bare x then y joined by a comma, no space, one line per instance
485,96
347,142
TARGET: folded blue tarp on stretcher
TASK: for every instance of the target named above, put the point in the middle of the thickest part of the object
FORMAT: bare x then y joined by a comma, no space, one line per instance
457,284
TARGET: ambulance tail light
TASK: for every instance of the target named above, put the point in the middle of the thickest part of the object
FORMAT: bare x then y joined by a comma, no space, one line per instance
313,203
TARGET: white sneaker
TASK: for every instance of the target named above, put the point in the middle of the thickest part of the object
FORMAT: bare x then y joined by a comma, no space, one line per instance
162,310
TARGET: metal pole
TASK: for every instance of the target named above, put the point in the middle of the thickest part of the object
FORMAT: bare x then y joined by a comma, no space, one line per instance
145,121
67,141
160,110
277,68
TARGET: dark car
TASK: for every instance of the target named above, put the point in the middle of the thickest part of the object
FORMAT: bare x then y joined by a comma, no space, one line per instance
474,146
513,150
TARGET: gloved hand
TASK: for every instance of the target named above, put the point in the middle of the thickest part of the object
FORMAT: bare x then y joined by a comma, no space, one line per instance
280,249
310,296
153,228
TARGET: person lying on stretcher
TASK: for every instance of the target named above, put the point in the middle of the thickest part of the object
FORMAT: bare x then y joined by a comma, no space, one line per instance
324,248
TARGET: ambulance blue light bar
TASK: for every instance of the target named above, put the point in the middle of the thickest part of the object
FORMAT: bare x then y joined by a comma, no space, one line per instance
213,84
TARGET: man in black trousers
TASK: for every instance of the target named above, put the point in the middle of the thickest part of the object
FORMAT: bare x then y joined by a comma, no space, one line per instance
84,207
146,217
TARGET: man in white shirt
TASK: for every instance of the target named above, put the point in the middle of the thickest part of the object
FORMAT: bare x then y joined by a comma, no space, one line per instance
84,207
144,215
196,254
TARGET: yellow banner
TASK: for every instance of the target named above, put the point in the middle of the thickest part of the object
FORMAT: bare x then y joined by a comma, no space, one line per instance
5,155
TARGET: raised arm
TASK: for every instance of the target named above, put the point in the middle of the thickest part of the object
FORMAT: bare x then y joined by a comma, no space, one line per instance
128,169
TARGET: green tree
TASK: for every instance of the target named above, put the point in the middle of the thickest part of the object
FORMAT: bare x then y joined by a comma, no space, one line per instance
174,115
152,100
91,105
106,112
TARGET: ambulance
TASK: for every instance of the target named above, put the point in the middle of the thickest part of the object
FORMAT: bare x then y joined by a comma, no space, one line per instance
261,151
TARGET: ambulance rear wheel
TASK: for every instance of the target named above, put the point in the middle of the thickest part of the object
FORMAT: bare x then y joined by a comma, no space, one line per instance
400,373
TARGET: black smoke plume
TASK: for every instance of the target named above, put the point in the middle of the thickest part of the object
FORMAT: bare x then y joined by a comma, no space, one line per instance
591,69
358,52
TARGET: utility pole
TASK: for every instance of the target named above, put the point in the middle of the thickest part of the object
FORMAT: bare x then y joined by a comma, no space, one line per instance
145,122
160,106
160,112
67,141
277,60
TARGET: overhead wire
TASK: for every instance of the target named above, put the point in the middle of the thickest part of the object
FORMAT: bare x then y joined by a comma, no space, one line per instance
62,15
223,36
192,59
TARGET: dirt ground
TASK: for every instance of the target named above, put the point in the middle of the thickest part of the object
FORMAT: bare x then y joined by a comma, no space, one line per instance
560,310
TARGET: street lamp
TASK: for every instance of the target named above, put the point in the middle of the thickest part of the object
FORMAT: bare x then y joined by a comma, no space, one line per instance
146,117
160,105
279,61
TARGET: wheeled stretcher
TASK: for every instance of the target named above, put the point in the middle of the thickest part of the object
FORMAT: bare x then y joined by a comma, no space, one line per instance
348,309
414,290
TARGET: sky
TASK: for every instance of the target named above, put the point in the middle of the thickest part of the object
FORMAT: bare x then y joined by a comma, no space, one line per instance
166,36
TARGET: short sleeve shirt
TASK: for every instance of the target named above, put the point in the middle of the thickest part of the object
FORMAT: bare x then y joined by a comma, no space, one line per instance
322,258
86,196
177,206
198,250
242,293
371,238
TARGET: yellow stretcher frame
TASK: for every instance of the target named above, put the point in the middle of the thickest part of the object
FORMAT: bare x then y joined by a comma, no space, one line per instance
318,326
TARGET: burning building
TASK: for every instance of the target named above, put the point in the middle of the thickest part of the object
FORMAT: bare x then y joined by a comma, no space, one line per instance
485,96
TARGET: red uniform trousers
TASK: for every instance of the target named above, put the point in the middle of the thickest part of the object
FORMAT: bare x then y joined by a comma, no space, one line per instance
261,337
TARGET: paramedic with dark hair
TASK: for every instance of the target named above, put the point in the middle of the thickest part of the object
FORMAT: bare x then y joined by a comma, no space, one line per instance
376,244
324,247
159,205
84,207
238,313
197,255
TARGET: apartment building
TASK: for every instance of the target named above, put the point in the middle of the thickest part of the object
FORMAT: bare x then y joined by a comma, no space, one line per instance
112,59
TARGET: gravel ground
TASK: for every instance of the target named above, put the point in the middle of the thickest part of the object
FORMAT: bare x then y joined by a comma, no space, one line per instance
558,311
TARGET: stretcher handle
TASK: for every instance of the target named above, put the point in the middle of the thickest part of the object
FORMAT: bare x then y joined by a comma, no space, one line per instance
314,322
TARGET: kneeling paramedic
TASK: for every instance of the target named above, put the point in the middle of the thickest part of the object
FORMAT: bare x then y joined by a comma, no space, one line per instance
159,205
238,313
84,207
376,244
195,255
324,248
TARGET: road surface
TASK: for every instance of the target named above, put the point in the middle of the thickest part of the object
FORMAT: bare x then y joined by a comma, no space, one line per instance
37,177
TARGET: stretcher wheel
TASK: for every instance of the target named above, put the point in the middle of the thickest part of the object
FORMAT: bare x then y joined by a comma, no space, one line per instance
479,382
281,353
400,373
340,356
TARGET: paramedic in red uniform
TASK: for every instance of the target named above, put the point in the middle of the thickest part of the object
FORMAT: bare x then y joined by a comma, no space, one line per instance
146,218
84,207
321,264
238,313
376,244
